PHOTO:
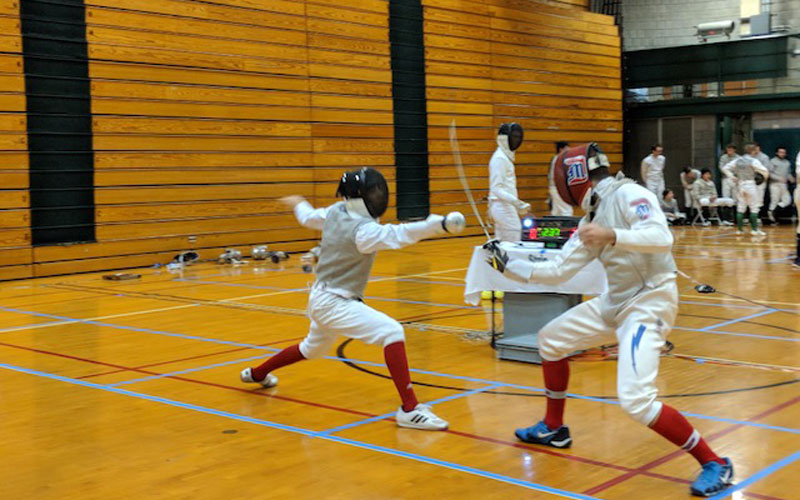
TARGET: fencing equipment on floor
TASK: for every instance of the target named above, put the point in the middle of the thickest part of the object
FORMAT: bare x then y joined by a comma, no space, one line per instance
559,206
640,306
504,205
778,183
744,170
705,195
687,183
653,174
729,187
350,239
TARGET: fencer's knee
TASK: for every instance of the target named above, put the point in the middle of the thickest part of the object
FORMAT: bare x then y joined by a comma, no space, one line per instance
549,349
314,350
393,333
644,408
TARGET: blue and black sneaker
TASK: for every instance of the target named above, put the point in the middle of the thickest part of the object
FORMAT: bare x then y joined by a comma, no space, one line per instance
541,434
713,479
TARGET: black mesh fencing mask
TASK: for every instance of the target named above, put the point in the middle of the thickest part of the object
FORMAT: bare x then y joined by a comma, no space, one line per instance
515,134
368,184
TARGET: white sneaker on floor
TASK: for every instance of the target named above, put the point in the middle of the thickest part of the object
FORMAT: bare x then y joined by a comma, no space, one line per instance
727,223
706,223
420,417
269,381
739,232
759,232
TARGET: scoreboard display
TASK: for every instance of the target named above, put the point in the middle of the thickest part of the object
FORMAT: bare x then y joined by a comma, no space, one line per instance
551,230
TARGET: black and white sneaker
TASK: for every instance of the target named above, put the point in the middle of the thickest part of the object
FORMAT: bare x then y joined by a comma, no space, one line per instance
420,417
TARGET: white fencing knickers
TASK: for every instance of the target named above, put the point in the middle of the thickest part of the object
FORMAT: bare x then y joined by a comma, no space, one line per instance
778,195
640,327
560,207
332,315
656,186
748,197
719,202
507,226
797,205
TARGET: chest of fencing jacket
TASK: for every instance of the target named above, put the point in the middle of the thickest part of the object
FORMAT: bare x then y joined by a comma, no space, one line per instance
743,169
778,170
342,269
704,189
629,273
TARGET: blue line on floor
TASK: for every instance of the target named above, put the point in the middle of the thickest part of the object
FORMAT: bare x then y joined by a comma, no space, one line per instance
738,334
737,320
306,432
189,370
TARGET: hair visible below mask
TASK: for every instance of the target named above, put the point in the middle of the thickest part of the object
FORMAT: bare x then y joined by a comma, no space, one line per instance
368,184
515,134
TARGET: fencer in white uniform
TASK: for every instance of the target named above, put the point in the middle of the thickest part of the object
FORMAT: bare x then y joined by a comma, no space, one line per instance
729,188
743,170
764,159
688,177
505,207
652,171
627,232
779,173
558,207
351,237
704,192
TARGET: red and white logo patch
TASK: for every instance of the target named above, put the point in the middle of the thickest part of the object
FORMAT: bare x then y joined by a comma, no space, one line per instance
576,170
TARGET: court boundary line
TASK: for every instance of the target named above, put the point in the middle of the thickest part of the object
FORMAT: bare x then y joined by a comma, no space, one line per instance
413,370
306,432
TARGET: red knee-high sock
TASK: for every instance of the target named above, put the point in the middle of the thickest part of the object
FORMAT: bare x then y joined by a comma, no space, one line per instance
674,426
556,377
285,357
395,356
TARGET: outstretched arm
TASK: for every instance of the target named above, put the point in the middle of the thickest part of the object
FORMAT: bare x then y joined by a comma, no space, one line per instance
306,215
372,236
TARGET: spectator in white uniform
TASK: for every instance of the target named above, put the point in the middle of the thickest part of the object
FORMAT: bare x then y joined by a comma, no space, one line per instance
704,192
505,207
764,159
688,176
729,187
779,174
652,170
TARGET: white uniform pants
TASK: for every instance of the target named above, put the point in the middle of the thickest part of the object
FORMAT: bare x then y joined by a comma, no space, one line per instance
656,186
797,206
719,202
560,207
332,315
640,327
778,195
729,188
688,199
762,190
507,226
748,197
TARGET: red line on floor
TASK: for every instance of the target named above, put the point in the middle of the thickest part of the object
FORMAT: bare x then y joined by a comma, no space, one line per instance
160,363
534,449
666,458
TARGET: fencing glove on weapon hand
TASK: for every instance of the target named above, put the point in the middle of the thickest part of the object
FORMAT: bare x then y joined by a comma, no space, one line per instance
516,269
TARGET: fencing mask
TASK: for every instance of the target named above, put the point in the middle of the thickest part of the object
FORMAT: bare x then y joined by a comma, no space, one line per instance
571,172
514,132
368,184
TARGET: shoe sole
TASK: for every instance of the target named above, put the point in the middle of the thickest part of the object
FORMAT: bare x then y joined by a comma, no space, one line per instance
422,428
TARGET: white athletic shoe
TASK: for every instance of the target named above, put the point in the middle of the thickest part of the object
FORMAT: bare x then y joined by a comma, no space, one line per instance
269,381
727,223
739,232
420,417
759,232
706,223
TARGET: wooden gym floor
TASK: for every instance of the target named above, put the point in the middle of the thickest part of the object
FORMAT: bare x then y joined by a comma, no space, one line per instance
130,389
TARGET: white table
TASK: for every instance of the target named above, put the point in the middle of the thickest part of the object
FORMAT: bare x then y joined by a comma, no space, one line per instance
591,280
528,306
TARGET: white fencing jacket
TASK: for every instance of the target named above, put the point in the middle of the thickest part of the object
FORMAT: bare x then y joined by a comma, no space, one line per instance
502,177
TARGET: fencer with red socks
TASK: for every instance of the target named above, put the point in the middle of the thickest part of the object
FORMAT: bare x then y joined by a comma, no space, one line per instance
351,237
627,232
